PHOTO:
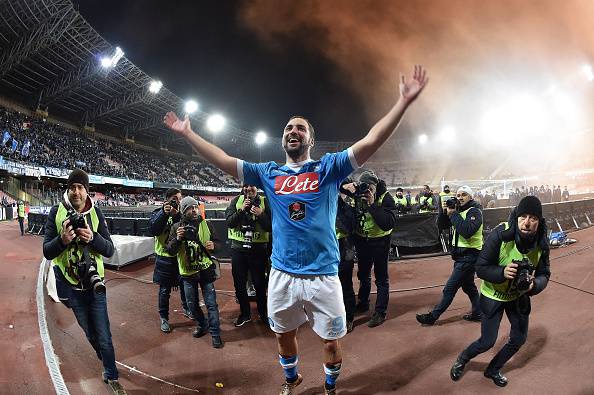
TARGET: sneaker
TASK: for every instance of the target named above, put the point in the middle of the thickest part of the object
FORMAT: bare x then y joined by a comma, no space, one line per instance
217,342
287,388
114,386
199,332
188,314
457,369
362,307
350,325
472,317
376,320
165,328
331,391
426,319
241,320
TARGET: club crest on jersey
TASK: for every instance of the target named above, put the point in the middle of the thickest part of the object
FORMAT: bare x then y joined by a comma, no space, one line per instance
297,184
297,211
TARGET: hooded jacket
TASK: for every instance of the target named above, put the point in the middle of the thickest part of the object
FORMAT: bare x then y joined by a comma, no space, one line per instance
385,214
487,265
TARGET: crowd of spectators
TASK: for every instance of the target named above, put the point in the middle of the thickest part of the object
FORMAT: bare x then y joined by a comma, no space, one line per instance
53,145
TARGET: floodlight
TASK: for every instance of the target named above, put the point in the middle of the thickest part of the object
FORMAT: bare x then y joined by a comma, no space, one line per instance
215,123
190,106
155,86
260,138
423,139
105,62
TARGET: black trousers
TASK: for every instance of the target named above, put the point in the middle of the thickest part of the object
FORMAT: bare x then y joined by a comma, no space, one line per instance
373,253
492,311
345,274
22,225
254,262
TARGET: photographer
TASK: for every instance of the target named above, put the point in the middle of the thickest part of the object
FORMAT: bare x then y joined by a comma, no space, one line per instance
166,272
249,223
444,196
426,201
21,216
403,205
345,224
76,239
514,265
465,217
191,240
375,217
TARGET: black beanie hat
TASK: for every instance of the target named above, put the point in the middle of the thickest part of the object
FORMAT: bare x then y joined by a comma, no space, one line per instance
80,177
368,177
529,205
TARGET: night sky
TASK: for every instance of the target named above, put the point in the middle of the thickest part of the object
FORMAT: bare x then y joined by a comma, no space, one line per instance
504,74
202,50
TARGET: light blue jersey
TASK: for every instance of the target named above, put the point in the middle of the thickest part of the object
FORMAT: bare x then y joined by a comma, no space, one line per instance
303,205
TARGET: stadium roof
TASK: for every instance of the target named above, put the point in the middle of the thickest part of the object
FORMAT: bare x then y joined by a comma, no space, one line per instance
51,57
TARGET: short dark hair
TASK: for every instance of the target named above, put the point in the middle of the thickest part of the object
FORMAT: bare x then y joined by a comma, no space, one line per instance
171,191
399,189
309,125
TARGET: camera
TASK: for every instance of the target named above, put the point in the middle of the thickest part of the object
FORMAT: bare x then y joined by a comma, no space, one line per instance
452,203
255,201
522,280
77,221
190,231
248,235
174,204
361,189
90,278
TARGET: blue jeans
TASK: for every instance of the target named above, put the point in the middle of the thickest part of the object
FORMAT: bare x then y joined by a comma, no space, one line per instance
90,310
164,294
462,276
210,300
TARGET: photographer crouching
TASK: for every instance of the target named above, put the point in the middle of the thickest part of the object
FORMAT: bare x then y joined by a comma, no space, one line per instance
465,217
191,240
375,219
249,226
514,265
166,272
76,240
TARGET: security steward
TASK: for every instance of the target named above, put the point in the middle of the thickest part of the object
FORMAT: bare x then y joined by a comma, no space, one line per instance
403,205
192,240
166,272
375,218
76,239
345,224
21,216
465,217
514,266
426,203
249,226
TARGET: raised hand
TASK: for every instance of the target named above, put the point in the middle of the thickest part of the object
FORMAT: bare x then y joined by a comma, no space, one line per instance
177,126
409,90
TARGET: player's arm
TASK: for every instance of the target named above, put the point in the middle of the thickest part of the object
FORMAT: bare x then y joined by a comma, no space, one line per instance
385,127
210,152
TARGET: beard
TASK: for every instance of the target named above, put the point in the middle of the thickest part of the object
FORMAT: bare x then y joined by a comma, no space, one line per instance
296,152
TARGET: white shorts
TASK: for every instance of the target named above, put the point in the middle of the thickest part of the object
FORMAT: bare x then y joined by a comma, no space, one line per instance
294,299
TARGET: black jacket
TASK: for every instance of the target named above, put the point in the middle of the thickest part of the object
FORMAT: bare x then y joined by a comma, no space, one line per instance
158,221
487,264
236,218
52,242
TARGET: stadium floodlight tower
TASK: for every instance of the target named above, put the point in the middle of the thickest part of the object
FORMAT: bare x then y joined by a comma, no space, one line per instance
191,106
155,86
110,63
260,139
423,139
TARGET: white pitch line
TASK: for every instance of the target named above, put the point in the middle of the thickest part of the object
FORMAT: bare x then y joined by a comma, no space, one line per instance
133,369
